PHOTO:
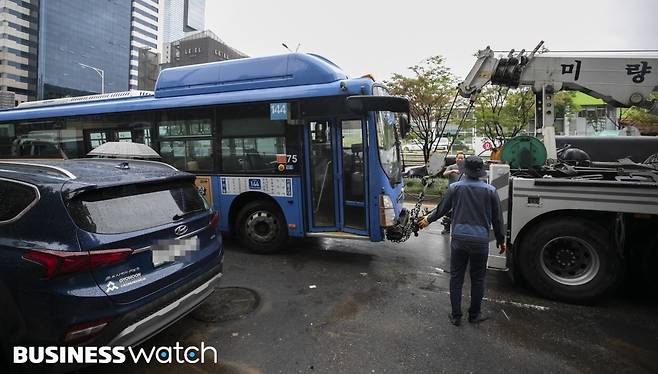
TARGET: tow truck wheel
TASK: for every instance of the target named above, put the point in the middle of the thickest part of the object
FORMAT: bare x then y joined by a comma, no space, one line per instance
570,259
261,227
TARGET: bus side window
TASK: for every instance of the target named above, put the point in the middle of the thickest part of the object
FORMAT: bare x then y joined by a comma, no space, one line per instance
186,139
319,132
43,139
7,137
251,144
43,149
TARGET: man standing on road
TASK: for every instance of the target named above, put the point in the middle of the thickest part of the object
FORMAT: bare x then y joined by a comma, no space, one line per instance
454,173
475,208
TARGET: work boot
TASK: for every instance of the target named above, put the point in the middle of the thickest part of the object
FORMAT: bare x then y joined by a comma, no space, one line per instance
455,321
477,318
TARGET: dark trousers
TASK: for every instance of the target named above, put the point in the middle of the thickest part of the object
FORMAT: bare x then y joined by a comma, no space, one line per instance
461,253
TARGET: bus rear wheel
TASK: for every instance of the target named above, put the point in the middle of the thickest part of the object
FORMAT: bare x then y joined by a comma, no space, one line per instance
261,227
570,259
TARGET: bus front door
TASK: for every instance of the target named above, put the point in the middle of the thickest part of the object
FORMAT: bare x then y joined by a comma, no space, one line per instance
353,182
335,160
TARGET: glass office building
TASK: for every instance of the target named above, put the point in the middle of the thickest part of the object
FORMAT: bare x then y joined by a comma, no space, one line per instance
144,42
180,18
96,33
18,44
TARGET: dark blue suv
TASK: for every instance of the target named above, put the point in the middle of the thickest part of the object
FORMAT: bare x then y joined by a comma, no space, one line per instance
101,252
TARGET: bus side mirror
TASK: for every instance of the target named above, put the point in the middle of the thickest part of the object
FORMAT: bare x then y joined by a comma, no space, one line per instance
436,162
405,126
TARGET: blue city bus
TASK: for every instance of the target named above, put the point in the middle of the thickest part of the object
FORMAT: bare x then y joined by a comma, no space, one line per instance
282,146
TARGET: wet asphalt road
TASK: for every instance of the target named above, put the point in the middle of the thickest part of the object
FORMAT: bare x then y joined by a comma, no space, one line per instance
382,308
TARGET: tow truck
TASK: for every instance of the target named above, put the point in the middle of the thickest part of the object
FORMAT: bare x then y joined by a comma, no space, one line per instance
575,226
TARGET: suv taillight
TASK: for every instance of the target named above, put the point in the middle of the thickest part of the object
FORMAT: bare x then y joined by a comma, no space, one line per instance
61,262
214,220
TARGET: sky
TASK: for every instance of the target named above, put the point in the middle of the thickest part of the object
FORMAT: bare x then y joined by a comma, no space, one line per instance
385,37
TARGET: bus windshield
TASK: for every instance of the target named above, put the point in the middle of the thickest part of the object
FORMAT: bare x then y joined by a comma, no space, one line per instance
387,144
389,154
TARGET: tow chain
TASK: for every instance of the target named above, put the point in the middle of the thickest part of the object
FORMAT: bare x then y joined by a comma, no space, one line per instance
408,221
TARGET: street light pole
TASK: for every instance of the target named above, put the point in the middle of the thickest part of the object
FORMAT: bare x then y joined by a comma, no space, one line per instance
100,72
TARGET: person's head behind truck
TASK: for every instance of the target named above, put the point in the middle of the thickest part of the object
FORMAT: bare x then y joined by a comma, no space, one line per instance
474,167
460,157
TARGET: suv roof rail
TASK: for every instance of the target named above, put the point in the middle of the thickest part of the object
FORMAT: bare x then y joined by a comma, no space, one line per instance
51,168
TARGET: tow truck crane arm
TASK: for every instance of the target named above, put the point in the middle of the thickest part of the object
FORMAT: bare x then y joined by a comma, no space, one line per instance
621,80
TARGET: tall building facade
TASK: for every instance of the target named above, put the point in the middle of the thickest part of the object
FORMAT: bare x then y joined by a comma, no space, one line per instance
144,38
149,68
19,20
84,47
179,19
200,48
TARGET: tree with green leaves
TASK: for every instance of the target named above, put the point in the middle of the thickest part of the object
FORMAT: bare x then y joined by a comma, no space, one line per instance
430,90
565,106
502,113
639,117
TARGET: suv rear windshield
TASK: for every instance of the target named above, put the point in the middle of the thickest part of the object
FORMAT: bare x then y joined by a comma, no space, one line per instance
134,207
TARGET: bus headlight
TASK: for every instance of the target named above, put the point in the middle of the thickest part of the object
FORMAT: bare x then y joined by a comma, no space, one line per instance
386,211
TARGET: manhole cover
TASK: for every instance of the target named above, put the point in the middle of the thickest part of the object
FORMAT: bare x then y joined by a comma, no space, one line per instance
226,304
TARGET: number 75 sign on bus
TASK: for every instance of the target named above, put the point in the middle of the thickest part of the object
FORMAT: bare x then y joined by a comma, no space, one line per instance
279,111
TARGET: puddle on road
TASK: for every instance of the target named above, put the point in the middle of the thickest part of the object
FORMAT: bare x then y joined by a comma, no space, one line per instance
227,304
631,343
581,338
333,254
348,309
352,305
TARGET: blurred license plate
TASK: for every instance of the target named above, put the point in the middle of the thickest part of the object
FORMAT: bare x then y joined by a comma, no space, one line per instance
165,251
